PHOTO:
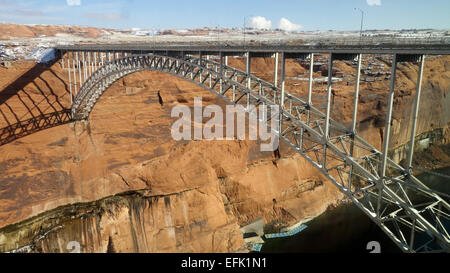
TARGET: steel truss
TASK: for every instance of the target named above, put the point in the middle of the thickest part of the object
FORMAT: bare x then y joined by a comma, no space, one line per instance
415,217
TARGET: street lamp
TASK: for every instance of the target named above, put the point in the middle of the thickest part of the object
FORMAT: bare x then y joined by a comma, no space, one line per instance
362,23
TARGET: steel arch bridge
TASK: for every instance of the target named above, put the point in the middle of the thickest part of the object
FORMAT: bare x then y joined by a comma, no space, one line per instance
415,217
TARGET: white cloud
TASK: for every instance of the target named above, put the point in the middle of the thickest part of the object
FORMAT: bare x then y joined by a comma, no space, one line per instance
287,25
73,2
374,2
259,22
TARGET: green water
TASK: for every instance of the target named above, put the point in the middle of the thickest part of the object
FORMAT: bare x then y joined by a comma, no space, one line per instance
345,229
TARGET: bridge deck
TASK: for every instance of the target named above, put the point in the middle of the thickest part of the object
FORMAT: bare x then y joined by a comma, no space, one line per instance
420,49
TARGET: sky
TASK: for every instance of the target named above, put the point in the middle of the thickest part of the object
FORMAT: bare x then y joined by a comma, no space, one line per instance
179,14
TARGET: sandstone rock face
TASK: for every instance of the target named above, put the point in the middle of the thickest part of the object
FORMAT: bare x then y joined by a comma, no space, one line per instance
120,181
9,31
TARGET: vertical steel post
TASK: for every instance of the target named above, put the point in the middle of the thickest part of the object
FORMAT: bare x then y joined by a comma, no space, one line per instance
327,119
226,64
74,74
221,72
249,80
95,61
355,115
329,89
70,79
415,115
388,118
200,63
89,64
355,101
234,88
84,66
276,69
62,58
79,70
310,85
380,184
248,69
282,96
283,82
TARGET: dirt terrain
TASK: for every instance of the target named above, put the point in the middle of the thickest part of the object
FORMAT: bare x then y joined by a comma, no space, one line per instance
8,31
120,179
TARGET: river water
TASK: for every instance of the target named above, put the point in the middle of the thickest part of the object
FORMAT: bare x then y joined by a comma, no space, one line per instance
345,229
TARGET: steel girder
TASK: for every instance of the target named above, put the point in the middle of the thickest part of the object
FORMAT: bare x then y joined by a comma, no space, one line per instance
415,217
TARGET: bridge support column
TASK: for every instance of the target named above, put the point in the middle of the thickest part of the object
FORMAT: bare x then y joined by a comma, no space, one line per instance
388,117
328,113
70,78
221,72
74,73
248,69
283,82
234,88
62,58
89,64
200,63
275,81
387,133
84,66
310,86
95,61
282,95
226,64
355,116
416,112
308,112
355,102
210,80
79,70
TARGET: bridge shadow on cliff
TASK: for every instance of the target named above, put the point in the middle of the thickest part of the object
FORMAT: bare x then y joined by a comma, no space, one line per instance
33,102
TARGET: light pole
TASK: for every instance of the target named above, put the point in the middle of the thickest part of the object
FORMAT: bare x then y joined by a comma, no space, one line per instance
362,23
